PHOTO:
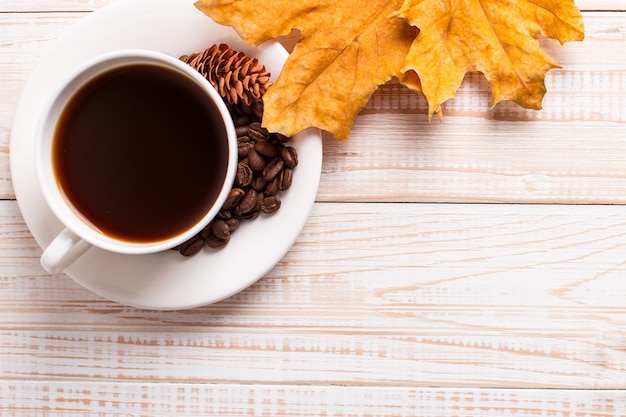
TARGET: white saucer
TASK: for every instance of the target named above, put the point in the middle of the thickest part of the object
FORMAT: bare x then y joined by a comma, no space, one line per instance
162,281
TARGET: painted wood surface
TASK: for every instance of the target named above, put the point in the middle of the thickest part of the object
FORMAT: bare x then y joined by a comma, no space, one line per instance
384,294
572,152
123,399
89,5
474,267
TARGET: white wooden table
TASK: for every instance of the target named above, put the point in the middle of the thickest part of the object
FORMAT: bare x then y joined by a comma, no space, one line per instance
471,267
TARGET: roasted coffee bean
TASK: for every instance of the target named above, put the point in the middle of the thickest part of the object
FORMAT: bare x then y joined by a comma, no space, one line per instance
279,137
248,202
255,126
244,175
266,148
259,200
256,161
257,133
273,168
234,198
259,183
191,246
206,232
224,214
215,242
242,121
244,147
233,224
270,204
272,187
251,215
220,229
289,156
241,130
265,168
285,179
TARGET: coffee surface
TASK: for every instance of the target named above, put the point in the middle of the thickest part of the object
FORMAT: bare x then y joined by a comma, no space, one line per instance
141,153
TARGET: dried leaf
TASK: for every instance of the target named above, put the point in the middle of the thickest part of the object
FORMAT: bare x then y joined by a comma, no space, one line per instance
496,37
348,49
345,52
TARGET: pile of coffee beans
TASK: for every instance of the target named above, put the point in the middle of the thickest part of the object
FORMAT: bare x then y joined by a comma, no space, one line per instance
265,168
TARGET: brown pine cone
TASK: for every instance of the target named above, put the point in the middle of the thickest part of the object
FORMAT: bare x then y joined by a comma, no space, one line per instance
236,76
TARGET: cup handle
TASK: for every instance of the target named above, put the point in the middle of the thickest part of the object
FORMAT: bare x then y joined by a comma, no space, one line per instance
63,251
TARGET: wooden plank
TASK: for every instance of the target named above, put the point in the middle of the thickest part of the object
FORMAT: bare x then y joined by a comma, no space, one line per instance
395,295
25,399
524,156
88,5
470,159
570,152
610,5
34,6
24,37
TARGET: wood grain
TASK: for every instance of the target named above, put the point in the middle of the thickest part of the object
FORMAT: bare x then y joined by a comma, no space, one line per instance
23,39
371,294
226,400
408,293
89,5
582,126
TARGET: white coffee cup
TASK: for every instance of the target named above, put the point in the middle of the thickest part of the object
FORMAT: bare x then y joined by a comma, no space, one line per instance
80,232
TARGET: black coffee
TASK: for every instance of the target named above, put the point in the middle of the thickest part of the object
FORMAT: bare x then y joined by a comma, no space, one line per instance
141,153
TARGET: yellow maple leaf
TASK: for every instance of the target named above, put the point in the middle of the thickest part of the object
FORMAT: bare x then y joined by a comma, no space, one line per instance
495,37
346,50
